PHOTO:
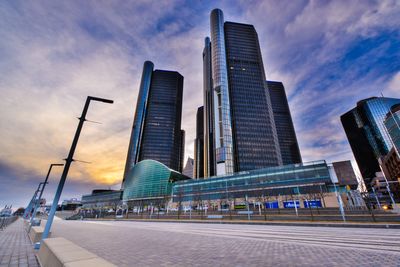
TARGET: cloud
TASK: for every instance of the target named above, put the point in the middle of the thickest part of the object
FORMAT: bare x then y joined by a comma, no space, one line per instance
393,86
328,54
18,192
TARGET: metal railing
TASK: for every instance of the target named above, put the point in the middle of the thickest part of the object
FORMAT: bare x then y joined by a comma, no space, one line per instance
6,221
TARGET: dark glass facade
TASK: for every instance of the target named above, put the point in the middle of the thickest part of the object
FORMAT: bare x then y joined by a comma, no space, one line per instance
138,121
345,174
364,127
254,134
240,132
284,125
162,134
182,151
360,146
392,124
156,132
209,135
199,144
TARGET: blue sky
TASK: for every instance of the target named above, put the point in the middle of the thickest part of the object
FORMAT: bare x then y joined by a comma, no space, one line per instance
328,54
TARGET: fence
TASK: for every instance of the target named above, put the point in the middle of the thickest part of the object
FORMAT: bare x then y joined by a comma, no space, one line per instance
5,221
243,212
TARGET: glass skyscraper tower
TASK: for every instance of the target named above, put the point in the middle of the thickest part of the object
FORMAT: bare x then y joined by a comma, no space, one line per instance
367,135
284,125
156,132
392,124
199,144
240,132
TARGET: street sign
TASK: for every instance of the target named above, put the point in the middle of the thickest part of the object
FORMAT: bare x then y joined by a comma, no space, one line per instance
290,204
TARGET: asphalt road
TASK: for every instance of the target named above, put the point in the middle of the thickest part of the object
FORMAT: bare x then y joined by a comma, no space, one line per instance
128,243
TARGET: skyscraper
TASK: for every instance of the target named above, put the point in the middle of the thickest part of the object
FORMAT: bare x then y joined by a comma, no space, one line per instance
182,151
188,170
208,109
199,144
240,131
284,125
345,174
392,124
156,132
365,131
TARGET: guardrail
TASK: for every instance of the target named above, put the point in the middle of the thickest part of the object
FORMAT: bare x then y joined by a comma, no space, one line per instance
6,221
283,214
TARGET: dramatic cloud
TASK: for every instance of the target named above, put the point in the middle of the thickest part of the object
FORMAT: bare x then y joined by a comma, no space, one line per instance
329,55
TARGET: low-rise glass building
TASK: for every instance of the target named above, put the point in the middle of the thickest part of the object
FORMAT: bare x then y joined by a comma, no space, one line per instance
102,198
289,180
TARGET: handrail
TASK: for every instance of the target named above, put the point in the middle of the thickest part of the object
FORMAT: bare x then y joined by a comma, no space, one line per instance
6,221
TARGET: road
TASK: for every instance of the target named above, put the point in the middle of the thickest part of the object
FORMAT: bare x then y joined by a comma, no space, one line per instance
128,243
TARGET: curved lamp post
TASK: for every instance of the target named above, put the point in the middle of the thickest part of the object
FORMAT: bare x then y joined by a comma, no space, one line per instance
37,202
68,162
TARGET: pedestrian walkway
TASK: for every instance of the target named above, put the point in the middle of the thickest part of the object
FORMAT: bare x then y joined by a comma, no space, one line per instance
15,247
132,243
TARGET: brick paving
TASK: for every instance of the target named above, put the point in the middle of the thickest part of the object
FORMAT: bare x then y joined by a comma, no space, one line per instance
127,243
15,247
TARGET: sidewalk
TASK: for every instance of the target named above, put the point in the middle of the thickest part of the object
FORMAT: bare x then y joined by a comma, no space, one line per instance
15,247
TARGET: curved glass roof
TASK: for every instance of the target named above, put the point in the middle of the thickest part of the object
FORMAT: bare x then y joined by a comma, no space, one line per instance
150,179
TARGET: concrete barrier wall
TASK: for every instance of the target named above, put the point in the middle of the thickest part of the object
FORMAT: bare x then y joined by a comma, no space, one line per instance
59,252
35,234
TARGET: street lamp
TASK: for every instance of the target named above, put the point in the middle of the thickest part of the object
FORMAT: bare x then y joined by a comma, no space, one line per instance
37,203
68,162
31,203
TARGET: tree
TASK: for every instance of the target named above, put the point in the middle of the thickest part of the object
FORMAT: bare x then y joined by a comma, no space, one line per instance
19,212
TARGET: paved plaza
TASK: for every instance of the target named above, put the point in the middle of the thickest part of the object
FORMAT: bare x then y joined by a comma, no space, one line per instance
16,250
129,243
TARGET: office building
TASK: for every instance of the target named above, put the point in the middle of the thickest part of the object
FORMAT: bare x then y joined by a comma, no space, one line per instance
240,132
392,124
365,131
390,166
181,151
208,109
151,183
102,198
156,132
284,125
345,174
199,144
189,168
309,183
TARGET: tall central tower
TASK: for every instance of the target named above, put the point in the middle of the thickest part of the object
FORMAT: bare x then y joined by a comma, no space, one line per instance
240,132
222,112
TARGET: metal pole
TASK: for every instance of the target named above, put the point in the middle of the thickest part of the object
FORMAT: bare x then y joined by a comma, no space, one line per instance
339,199
68,162
248,209
34,203
376,197
190,209
30,205
295,207
41,193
